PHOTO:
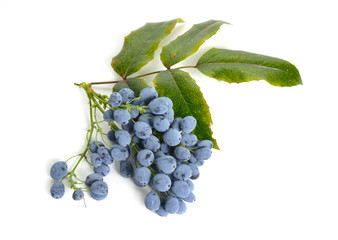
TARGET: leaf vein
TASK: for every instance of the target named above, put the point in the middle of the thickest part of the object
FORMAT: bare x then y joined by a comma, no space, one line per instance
231,63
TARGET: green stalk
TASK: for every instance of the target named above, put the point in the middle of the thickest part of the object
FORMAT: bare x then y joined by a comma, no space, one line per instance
90,135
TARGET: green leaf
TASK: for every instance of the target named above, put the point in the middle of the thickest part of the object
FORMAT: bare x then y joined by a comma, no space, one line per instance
139,47
188,43
238,66
135,84
187,98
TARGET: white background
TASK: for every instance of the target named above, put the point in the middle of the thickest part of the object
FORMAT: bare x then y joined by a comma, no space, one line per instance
276,176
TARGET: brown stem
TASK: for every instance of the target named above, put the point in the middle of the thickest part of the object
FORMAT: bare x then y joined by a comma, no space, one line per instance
186,67
107,82
143,75
124,78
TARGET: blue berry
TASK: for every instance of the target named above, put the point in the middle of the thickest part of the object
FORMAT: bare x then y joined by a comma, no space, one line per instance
188,124
148,94
58,170
99,188
182,172
166,164
182,153
57,190
119,153
142,176
93,177
180,188
122,116
152,143
202,153
152,201
95,160
158,106
108,115
78,194
127,94
115,100
160,123
161,182
189,139
171,204
123,137
102,169
172,137
126,169
145,157
142,130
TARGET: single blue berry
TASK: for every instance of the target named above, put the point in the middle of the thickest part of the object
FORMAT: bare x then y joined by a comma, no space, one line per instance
161,182
57,190
152,201
172,137
147,95
188,124
142,176
126,169
115,100
99,188
127,94
78,194
58,170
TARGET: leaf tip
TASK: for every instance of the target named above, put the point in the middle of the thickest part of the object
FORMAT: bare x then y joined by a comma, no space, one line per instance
300,81
220,21
224,22
179,20
216,146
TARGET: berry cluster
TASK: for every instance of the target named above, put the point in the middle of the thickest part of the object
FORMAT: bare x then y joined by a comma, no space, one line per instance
167,154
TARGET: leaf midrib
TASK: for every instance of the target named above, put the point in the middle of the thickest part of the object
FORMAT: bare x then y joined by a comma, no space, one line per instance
251,64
